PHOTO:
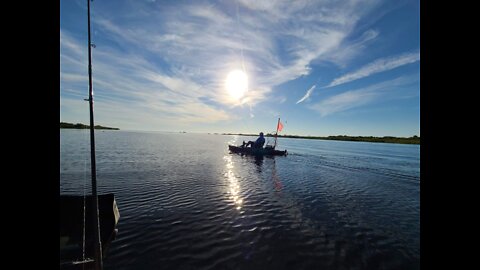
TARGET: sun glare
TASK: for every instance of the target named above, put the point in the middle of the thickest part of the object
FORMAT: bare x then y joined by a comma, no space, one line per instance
237,84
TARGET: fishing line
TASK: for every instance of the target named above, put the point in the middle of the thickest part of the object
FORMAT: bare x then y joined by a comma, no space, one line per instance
245,125
241,39
85,138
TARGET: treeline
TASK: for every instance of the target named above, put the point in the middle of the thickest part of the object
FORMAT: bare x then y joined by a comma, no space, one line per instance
82,126
386,139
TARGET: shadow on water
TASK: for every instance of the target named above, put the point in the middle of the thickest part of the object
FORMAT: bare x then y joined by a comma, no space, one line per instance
275,178
259,161
271,165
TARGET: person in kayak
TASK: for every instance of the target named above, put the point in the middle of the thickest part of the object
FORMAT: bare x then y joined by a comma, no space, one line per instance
255,144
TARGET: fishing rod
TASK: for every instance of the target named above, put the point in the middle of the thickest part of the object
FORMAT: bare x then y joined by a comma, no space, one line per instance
97,241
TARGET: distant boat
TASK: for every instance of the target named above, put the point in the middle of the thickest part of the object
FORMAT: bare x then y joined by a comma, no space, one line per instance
87,222
268,150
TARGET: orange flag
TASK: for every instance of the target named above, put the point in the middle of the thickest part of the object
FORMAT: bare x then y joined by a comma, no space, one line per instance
280,126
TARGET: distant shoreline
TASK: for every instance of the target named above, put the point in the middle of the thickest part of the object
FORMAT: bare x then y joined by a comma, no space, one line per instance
82,126
386,139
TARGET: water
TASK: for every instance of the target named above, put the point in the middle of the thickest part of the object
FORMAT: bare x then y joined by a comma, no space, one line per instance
187,203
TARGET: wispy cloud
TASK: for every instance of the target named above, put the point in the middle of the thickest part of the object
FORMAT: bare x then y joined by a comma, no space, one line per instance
360,97
377,66
307,95
126,84
349,50
172,61
207,41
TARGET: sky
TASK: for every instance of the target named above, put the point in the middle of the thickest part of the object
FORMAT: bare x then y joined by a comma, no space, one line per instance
323,67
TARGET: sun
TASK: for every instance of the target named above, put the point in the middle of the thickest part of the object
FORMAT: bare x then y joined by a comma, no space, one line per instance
237,84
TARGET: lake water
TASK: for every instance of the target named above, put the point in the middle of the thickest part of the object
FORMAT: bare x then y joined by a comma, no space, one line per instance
187,203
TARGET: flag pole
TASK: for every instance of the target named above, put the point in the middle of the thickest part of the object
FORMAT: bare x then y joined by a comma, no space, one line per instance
276,133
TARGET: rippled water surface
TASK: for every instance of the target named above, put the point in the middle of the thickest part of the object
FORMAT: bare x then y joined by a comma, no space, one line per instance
187,203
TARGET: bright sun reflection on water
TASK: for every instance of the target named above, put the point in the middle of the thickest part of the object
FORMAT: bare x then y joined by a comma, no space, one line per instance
234,187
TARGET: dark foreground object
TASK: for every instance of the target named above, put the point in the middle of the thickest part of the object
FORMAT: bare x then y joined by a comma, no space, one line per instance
71,229
267,151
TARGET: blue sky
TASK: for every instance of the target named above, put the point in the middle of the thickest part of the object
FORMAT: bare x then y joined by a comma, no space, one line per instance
323,67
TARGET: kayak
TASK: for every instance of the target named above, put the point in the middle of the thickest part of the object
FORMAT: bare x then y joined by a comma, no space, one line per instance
267,151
